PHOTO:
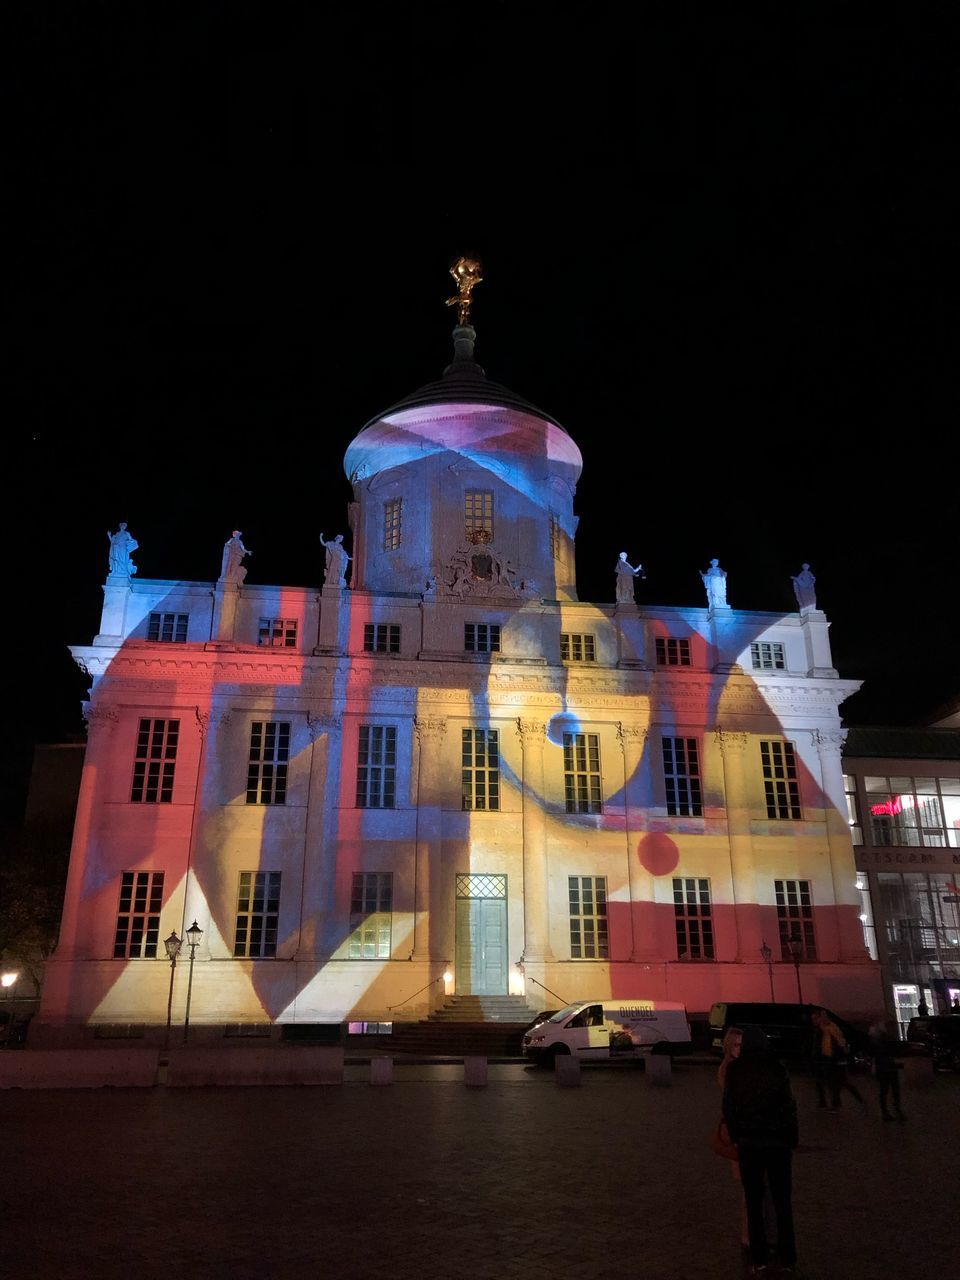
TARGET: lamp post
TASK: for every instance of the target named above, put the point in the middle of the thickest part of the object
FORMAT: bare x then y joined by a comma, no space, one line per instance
8,981
172,947
767,955
795,947
193,936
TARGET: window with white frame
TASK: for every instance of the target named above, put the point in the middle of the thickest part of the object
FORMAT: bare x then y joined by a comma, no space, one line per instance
478,512
381,637
376,766
277,633
168,628
577,648
767,655
781,786
693,918
795,918
581,773
913,812
672,651
138,915
258,914
155,760
267,767
681,777
480,769
588,917
481,637
392,523
371,907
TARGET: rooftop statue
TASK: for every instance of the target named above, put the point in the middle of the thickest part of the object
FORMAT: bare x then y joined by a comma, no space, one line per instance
625,575
122,544
466,272
715,582
803,583
337,560
232,569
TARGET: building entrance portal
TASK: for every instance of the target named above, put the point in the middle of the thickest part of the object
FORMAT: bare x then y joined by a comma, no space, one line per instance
481,935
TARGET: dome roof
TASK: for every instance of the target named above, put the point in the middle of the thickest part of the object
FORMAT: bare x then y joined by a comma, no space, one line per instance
464,382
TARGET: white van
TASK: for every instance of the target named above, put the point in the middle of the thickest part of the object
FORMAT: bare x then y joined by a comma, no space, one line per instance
621,1028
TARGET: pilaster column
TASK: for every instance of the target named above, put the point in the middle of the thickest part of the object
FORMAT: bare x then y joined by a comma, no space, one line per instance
101,722
643,940
749,933
322,925
536,911
430,733
849,943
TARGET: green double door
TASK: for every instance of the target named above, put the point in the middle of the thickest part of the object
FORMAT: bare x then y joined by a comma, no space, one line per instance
481,944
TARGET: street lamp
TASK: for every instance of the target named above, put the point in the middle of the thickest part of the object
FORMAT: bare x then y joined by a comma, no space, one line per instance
767,955
193,935
172,947
795,947
8,981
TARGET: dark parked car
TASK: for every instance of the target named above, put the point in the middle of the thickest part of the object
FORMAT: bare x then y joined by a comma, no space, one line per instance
939,1037
786,1026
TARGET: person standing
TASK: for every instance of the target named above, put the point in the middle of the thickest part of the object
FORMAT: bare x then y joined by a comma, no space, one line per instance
885,1042
731,1051
761,1115
829,1055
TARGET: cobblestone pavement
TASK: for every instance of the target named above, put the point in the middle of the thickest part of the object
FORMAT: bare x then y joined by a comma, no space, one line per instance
427,1179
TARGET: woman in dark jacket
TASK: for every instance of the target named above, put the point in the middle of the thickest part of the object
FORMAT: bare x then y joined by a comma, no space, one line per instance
761,1114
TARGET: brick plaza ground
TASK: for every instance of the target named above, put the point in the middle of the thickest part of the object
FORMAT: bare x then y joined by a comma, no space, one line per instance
426,1179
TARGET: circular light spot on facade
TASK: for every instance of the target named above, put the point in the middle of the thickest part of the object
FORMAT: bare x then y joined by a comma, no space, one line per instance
658,853
563,722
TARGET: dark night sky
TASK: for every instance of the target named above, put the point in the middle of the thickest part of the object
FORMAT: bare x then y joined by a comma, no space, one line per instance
719,249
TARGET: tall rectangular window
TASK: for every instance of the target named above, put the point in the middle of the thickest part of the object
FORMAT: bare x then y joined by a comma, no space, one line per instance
681,776
392,523
853,808
168,628
767,655
267,768
376,767
258,913
155,761
138,915
672,651
795,917
556,537
574,648
693,919
277,633
481,637
588,917
480,769
371,905
381,637
581,772
478,511
780,785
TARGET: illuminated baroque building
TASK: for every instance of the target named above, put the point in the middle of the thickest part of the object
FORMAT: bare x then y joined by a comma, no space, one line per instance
449,774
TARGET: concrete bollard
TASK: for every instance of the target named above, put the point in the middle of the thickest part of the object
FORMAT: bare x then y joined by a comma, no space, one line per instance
475,1072
381,1071
658,1067
566,1070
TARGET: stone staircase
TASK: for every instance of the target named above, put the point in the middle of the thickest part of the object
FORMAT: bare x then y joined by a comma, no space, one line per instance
490,1026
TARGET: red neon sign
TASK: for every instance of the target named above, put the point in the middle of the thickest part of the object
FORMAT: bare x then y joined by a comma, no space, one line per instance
889,806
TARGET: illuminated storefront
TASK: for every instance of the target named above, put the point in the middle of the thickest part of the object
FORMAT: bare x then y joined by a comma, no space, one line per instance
903,795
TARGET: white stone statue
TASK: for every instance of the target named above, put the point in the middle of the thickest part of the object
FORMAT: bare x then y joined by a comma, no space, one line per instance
715,582
337,560
122,544
625,575
232,569
803,583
